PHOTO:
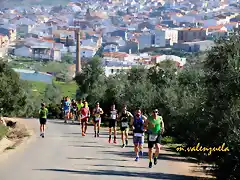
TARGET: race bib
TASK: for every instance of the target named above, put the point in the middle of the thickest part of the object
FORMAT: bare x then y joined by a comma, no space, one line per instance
82,116
113,116
153,137
97,115
138,134
124,124
98,119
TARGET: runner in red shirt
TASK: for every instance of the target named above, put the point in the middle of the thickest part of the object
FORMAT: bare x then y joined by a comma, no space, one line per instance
85,114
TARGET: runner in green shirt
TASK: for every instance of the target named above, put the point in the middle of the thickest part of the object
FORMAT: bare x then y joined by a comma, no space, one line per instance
155,127
43,118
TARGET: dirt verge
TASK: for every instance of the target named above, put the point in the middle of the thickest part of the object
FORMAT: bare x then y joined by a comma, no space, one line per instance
16,137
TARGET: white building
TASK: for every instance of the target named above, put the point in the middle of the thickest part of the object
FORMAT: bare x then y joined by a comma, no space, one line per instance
85,51
181,61
114,67
171,35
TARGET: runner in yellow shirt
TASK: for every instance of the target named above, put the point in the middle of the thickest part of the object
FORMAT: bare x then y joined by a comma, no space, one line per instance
79,106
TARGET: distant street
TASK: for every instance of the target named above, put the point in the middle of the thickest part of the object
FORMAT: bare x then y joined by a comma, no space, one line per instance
65,155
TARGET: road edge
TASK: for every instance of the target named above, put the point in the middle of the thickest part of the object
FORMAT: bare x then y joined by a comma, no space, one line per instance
21,144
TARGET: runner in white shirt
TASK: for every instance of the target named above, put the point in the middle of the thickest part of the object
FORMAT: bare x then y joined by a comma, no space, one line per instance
97,112
113,124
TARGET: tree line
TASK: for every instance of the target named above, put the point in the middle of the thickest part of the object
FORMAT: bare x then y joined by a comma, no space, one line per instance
199,103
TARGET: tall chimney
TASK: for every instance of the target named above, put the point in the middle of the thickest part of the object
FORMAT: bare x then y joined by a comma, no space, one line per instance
78,55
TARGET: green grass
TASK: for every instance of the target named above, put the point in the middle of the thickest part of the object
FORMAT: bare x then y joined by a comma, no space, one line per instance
168,140
25,63
3,131
67,88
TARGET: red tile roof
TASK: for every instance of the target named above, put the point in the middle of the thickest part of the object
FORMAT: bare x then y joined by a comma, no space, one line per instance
115,54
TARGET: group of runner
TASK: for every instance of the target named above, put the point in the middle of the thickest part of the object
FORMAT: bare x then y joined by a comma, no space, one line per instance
152,126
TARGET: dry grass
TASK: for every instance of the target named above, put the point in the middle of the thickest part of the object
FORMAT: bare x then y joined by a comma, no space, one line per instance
3,131
18,132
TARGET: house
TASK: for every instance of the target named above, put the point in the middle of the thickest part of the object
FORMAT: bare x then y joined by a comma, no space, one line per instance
112,67
180,35
161,58
24,29
85,51
64,36
117,56
145,40
112,47
119,33
10,32
191,34
24,51
41,52
215,32
171,35
197,46
38,52
4,41
159,38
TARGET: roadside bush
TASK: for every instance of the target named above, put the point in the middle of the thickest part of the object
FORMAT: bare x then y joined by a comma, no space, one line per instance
199,104
3,131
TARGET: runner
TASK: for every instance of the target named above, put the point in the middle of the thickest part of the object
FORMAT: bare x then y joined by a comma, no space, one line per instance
73,110
84,100
155,127
137,123
97,112
85,114
79,107
124,117
66,109
43,118
62,107
113,124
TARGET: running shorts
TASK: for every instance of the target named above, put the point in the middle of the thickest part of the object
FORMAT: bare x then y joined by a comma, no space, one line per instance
42,121
112,123
138,140
154,139
96,120
124,126
66,111
84,120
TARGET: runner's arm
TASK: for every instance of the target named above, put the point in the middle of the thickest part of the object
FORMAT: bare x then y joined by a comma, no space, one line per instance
130,114
119,116
93,112
131,122
162,126
144,118
101,111
89,113
146,124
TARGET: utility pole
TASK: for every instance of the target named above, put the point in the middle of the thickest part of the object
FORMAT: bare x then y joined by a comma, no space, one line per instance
78,55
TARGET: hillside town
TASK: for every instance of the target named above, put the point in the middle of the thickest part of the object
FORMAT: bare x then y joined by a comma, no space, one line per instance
124,33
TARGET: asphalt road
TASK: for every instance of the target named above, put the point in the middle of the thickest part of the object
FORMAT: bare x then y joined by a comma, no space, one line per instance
65,155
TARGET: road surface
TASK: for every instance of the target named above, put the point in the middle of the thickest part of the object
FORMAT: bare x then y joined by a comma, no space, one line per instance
65,155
